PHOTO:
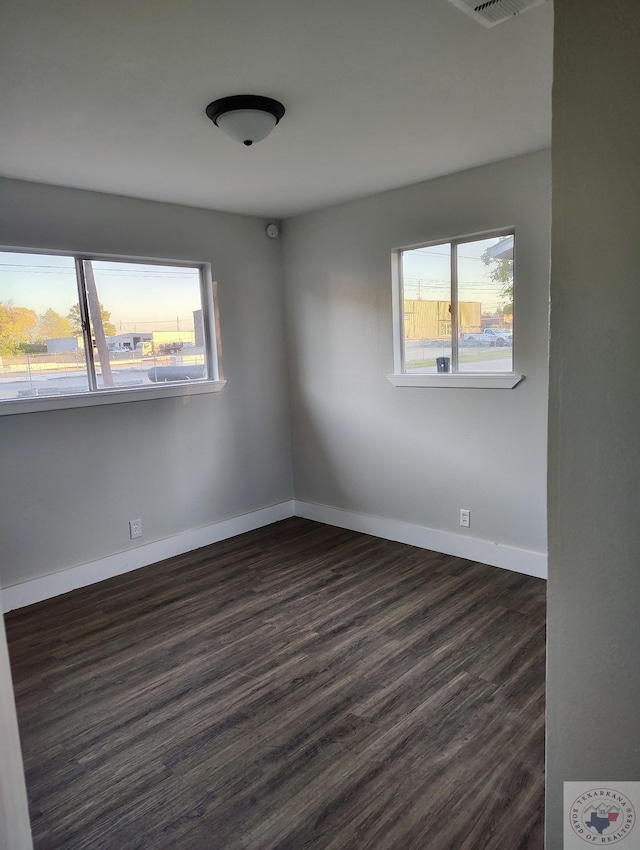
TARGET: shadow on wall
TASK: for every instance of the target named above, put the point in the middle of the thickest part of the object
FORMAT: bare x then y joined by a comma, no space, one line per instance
319,464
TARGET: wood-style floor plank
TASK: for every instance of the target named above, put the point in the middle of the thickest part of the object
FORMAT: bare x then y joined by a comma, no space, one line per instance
300,686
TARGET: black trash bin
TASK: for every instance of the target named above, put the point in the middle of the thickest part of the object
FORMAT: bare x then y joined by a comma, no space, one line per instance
443,364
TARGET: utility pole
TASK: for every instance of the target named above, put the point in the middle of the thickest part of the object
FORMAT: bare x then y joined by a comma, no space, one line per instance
96,320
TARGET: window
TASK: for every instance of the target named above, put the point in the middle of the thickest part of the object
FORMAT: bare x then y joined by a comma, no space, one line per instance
78,330
453,311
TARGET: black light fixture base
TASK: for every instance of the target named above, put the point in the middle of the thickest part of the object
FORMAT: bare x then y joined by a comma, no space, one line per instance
244,101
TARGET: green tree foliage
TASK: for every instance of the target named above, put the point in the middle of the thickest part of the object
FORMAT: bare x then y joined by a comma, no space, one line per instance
74,318
16,327
32,348
52,325
501,271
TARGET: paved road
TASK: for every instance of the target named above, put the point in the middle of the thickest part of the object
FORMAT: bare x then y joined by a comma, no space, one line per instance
69,382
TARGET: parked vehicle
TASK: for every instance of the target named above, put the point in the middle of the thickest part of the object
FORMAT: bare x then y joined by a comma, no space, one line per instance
145,347
172,347
488,336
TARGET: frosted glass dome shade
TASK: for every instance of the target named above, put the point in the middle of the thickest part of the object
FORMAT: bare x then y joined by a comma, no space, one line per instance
247,125
247,118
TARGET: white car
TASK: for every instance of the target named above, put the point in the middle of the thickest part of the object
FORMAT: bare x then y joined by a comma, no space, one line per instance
489,336
498,336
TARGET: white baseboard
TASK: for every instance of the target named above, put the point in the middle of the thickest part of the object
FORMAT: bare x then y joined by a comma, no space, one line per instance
463,546
45,587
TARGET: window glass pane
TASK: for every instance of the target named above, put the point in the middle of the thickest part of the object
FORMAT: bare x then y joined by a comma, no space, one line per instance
147,323
485,305
41,348
426,285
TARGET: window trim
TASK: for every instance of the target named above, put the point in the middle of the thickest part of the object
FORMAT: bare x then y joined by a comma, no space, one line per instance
473,380
173,389
467,380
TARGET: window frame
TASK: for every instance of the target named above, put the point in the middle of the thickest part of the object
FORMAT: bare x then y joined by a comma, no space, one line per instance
96,396
467,380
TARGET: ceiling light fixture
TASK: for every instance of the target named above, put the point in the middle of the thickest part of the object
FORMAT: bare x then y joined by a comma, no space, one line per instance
247,118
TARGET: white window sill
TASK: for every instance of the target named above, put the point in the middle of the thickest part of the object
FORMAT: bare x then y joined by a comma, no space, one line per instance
173,390
486,381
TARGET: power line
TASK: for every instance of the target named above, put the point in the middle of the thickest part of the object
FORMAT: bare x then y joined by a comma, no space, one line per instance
16,268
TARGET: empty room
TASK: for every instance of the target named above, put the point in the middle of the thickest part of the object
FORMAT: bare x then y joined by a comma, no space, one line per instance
318,424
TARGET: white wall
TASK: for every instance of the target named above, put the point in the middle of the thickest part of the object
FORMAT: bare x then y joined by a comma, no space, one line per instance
72,479
416,454
594,410
15,832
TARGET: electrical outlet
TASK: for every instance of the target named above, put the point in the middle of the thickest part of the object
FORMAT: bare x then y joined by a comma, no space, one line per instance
465,518
135,528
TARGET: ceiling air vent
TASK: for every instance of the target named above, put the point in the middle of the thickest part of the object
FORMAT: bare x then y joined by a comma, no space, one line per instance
493,12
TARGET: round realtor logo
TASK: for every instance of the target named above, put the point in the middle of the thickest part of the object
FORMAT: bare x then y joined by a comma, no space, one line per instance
602,816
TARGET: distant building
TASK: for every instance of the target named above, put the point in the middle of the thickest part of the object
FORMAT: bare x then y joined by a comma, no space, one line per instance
432,319
63,343
164,341
126,342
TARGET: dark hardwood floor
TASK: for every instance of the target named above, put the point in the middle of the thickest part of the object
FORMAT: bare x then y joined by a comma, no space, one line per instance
296,687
